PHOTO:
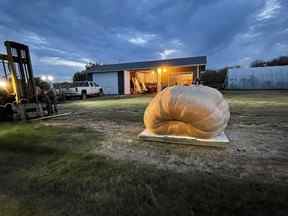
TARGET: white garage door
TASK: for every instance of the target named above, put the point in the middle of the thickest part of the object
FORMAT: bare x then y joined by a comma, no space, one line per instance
108,81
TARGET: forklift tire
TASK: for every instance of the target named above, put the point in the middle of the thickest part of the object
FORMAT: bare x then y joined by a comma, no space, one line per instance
2,116
101,93
6,112
84,95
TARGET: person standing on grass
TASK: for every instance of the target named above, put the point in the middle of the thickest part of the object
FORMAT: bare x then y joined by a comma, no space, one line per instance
51,93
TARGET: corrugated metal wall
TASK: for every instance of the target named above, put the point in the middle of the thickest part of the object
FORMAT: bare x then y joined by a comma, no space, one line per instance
258,78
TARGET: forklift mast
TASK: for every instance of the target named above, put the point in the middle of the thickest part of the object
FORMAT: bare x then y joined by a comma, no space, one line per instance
17,69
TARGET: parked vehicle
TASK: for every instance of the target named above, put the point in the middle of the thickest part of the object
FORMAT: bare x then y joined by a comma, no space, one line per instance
83,89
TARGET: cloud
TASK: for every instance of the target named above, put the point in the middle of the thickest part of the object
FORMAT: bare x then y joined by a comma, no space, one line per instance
136,38
32,37
282,46
63,62
177,43
245,61
87,60
270,10
285,31
167,53
251,35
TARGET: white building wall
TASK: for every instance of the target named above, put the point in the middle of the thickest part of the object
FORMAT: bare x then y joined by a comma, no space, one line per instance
258,78
108,81
127,90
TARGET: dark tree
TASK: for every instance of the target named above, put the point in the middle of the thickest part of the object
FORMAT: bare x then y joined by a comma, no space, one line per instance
89,65
80,76
77,76
214,78
282,60
42,84
84,75
258,63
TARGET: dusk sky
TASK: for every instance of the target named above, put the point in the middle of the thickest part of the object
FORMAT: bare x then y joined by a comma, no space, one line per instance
64,35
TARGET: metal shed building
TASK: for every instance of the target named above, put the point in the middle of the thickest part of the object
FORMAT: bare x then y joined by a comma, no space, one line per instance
134,77
275,77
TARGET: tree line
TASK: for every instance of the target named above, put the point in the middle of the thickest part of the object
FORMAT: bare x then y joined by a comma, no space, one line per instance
280,61
83,75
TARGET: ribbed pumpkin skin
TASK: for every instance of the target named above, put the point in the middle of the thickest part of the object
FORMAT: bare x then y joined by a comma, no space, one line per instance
197,111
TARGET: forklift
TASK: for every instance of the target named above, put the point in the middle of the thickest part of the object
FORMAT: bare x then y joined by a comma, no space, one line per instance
18,96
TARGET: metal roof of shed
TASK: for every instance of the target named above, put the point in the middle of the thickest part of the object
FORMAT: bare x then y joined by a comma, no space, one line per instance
200,60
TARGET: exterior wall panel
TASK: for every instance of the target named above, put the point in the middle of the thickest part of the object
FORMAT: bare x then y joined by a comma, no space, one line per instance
108,81
127,90
258,78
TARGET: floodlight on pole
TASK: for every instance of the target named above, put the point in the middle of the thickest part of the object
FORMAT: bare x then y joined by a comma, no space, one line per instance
3,84
43,78
50,78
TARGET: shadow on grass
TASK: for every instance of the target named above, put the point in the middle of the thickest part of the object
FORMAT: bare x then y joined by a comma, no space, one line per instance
29,149
24,145
80,184
25,138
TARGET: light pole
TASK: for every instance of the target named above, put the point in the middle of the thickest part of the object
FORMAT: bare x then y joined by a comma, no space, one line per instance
159,87
48,79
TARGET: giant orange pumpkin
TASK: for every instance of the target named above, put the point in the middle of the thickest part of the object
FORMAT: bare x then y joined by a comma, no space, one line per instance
197,111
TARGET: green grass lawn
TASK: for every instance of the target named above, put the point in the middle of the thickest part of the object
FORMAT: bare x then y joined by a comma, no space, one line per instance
52,168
